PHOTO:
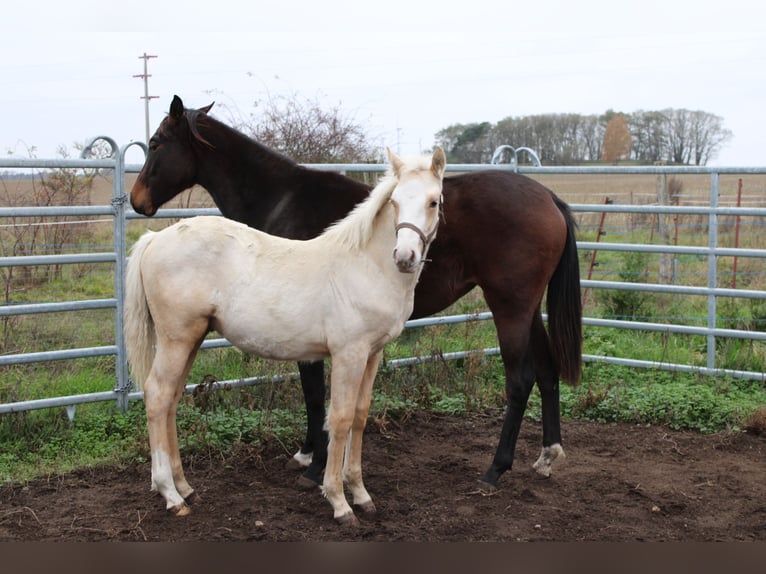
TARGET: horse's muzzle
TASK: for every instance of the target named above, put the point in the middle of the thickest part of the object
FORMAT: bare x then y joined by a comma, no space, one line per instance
407,261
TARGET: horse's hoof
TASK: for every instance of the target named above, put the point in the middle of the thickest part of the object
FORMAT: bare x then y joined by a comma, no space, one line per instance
550,454
180,509
487,488
305,483
192,498
348,520
367,507
293,464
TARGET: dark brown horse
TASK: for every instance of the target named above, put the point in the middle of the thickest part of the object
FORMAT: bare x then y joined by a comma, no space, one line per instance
504,232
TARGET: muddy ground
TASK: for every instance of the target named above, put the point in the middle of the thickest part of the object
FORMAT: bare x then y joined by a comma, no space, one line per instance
618,483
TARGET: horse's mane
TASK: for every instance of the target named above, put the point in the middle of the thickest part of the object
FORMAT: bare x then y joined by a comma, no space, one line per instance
356,230
193,117
197,118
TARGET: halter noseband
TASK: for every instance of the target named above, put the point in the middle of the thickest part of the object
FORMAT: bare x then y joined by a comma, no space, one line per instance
426,239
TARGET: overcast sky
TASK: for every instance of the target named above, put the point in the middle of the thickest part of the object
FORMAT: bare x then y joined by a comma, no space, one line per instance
401,69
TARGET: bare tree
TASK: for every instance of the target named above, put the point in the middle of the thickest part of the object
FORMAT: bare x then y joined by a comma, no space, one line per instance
649,133
706,136
677,136
307,132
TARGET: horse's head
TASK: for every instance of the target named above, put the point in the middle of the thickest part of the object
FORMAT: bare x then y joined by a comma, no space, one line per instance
170,165
417,200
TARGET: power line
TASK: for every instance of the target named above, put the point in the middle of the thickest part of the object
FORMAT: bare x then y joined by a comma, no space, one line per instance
146,97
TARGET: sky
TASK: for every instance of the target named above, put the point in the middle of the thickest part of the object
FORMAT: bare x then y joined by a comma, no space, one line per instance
403,70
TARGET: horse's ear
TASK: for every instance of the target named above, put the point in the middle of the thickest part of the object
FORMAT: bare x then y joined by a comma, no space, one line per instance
396,163
176,108
206,109
438,162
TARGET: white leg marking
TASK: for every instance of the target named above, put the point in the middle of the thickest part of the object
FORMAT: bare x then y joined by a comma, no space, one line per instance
302,460
548,456
162,480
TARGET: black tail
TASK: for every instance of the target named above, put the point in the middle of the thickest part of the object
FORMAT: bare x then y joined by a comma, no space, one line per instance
565,305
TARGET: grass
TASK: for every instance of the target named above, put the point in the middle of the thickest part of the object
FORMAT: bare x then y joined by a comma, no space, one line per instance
38,443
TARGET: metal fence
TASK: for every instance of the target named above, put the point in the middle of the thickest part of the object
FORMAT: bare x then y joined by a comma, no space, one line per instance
120,212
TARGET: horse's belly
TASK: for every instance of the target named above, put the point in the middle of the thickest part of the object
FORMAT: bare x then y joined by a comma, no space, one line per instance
274,341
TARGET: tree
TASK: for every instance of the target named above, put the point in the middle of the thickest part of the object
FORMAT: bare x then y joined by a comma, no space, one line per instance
617,140
307,132
649,133
707,135
677,136
467,143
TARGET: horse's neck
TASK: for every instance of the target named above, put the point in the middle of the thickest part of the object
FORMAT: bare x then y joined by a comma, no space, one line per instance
244,179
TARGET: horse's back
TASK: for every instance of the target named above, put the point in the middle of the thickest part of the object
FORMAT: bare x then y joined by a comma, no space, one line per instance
502,231
273,297
500,199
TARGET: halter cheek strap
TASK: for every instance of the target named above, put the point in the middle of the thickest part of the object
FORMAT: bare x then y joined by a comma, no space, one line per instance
426,239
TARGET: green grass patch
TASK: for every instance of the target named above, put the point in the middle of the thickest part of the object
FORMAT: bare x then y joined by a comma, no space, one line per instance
37,443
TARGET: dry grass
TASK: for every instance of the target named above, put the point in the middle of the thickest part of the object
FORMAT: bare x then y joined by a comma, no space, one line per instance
756,423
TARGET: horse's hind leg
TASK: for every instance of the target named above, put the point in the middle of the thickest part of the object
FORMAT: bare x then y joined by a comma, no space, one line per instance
548,383
352,470
162,391
313,453
181,484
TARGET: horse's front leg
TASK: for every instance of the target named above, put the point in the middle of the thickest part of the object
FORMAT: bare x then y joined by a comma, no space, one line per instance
513,334
347,371
352,470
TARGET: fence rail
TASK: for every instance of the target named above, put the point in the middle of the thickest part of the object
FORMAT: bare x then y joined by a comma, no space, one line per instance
120,213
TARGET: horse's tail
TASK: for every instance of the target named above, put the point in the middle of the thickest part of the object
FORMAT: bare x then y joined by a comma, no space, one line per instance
137,320
565,305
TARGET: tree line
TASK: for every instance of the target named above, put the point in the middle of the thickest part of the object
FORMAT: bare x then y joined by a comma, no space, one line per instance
674,136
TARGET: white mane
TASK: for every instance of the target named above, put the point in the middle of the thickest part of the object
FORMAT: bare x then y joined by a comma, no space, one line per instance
357,228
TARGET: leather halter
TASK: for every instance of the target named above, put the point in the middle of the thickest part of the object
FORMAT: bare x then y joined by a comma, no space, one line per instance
426,239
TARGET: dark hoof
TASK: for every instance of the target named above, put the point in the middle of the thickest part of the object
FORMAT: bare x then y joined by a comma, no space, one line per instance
348,520
367,507
306,483
293,464
193,498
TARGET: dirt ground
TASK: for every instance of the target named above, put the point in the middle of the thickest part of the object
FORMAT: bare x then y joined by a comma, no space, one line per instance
618,483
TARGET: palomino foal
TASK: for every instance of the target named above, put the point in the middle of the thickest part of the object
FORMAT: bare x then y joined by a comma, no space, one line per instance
344,294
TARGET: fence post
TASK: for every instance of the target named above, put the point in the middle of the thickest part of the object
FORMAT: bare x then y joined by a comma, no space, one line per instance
712,267
736,235
122,384
663,199
119,200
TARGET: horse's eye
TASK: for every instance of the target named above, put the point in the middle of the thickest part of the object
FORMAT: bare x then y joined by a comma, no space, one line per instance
434,203
153,145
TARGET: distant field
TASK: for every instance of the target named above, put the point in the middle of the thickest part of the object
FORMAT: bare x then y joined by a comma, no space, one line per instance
36,333
573,188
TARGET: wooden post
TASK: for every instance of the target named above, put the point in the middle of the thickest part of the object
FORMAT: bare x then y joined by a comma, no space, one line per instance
666,263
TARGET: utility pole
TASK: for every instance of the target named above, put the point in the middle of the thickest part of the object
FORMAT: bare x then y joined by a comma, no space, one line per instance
146,97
